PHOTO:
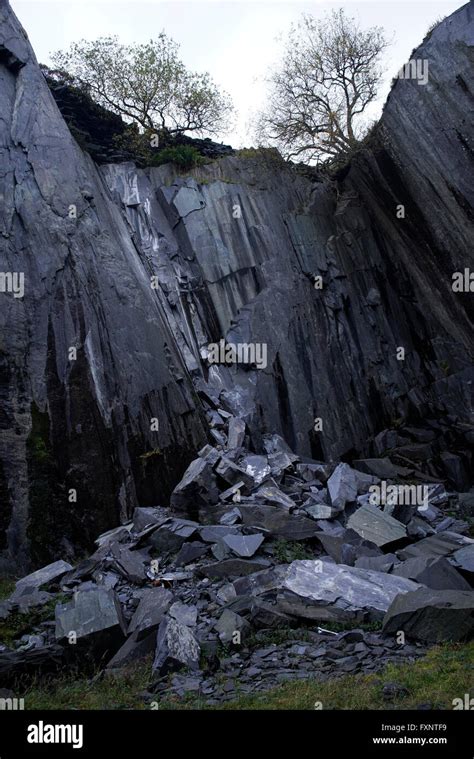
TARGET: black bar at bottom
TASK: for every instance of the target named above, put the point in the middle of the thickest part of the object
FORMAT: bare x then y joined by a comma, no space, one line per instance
127,733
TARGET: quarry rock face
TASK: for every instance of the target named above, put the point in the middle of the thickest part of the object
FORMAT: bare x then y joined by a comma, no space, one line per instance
130,274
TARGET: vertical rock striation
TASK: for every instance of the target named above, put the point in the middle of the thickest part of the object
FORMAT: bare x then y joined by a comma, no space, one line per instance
139,270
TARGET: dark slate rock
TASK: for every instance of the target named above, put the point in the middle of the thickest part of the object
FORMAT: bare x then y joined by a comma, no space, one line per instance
136,647
244,545
444,544
382,563
463,559
234,567
145,517
44,576
236,433
315,590
129,564
176,647
153,605
342,486
215,532
376,526
435,573
89,612
190,552
278,522
197,487
229,624
433,616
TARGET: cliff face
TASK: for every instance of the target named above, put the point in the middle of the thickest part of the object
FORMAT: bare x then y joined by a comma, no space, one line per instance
138,270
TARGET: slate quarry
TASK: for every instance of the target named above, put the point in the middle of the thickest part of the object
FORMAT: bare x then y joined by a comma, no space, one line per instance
216,516
233,248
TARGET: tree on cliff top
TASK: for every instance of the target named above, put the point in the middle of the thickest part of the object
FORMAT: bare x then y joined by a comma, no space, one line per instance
329,75
147,84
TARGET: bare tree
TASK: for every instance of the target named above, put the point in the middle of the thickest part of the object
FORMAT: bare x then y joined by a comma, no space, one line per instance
147,84
328,77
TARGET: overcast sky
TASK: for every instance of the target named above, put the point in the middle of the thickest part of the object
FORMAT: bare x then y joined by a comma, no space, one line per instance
237,42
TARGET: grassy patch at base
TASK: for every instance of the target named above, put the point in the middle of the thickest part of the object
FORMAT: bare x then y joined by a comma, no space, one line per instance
447,672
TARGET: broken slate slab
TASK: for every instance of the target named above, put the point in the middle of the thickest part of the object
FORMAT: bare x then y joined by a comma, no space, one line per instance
463,559
212,533
234,567
236,433
41,577
431,615
278,522
129,564
319,590
442,544
320,510
89,612
190,552
153,605
376,526
273,494
176,647
244,545
134,649
231,627
197,488
435,573
342,486
185,614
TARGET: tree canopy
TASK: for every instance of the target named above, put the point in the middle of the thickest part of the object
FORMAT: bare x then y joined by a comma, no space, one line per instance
328,76
147,84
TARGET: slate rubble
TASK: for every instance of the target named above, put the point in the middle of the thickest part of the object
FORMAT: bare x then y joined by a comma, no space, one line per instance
208,599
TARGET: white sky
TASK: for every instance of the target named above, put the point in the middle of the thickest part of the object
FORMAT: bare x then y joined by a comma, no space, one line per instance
237,42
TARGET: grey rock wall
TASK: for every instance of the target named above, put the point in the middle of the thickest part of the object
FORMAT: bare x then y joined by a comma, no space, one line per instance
140,270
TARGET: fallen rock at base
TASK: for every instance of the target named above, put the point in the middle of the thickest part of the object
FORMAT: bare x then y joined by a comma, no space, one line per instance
442,544
319,590
90,611
41,577
189,552
176,647
342,486
376,526
278,522
432,616
134,649
196,488
463,559
436,573
153,605
185,614
244,546
234,567
230,624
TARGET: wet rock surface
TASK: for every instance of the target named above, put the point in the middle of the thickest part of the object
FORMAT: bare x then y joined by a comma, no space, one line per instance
236,543
258,594
122,421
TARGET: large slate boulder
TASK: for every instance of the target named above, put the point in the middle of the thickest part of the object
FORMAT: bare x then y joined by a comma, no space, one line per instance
89,612
376,526
176,647
433,616
324,591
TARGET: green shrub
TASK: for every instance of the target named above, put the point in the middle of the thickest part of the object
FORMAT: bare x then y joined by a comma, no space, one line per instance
184,156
